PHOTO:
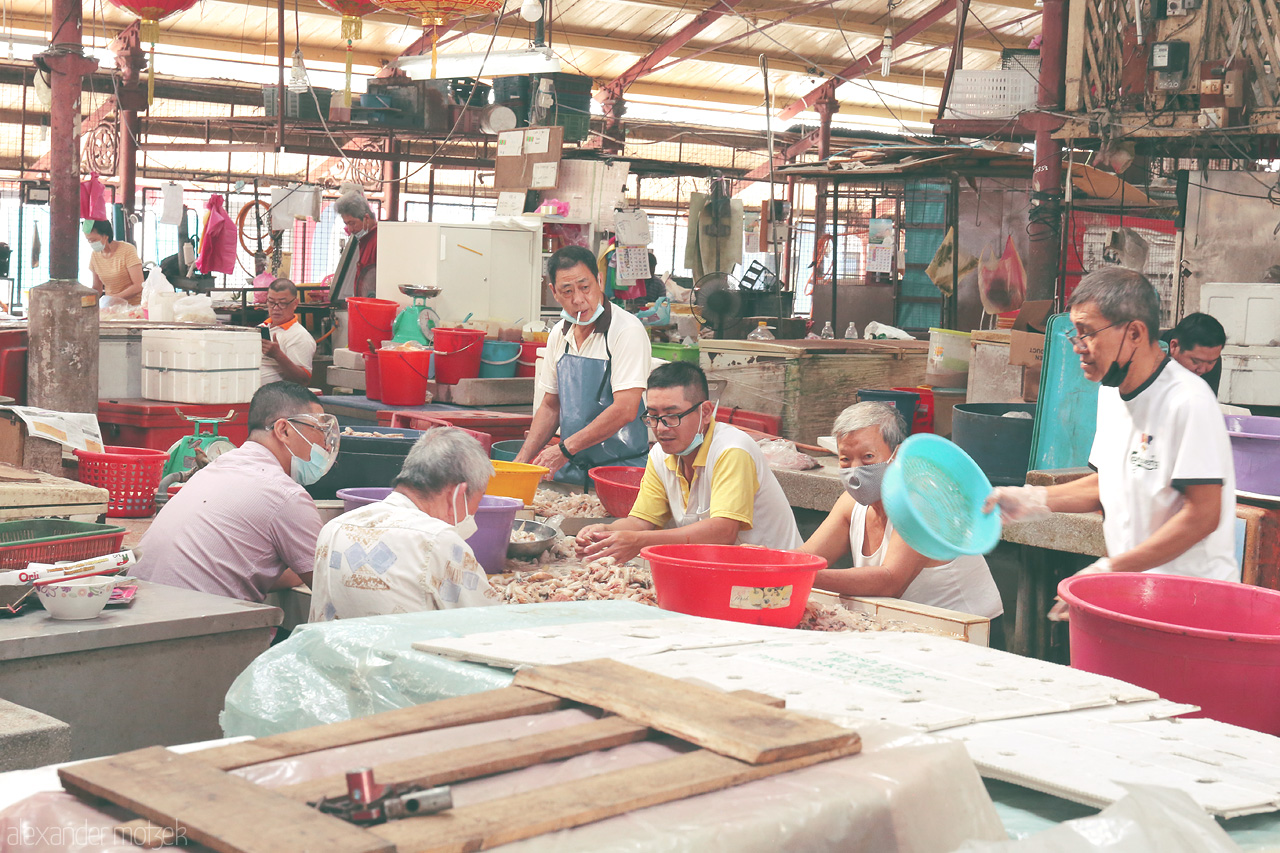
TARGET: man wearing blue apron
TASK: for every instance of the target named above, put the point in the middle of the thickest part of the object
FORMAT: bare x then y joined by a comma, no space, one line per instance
593,378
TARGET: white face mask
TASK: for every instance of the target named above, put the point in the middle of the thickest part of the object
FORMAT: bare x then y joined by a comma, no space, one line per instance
95,246
466,526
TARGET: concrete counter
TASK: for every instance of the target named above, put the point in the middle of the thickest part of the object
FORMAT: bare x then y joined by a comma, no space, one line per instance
153,673
816,489
1071,532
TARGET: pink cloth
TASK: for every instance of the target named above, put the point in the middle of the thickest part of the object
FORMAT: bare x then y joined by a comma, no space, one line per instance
93,198
218,243
233,528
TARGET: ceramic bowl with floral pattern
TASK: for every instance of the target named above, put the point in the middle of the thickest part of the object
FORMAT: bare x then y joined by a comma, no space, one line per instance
78,598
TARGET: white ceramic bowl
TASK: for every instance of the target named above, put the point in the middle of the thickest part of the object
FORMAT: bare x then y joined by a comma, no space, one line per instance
79,598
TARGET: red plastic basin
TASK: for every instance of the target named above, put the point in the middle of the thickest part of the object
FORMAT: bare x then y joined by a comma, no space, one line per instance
617,486
737,583
1210,643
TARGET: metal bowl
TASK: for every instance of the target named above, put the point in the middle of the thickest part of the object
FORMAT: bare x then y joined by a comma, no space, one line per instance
531,550
425,291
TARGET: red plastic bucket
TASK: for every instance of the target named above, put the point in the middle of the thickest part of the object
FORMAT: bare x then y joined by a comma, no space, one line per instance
402,375
458,353
527,363
617,486
369,320
758,586
1210,643
923,421
372,377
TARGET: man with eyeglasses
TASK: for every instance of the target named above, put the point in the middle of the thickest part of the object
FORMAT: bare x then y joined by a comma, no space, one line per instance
288,348
1164,477
704,481
245,525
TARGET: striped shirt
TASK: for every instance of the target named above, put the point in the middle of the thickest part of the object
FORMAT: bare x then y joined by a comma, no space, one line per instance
233,529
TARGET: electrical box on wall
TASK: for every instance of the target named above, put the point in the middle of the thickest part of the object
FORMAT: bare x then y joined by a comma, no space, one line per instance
1168,61
1221,93
1175,8
34,192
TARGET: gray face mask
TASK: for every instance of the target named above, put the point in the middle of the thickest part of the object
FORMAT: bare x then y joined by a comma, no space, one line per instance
863,483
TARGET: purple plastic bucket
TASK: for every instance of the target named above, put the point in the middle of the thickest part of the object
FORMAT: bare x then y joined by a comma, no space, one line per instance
1255,449
355,498
494,520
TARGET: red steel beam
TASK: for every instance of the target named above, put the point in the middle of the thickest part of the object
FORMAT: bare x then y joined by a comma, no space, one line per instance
614,90
827,90
423,42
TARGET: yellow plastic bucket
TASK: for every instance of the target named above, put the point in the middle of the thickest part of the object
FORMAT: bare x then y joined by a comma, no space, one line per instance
515,480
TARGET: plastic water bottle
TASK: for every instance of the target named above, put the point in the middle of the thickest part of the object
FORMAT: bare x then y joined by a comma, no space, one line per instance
828,333
851,333
761,332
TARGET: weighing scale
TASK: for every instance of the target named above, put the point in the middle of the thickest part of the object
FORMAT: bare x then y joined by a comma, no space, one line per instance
415,322
185,452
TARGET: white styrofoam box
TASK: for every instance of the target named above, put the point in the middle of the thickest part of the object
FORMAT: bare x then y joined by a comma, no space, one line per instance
1249,312
120,367
1250,376
201,365
348,359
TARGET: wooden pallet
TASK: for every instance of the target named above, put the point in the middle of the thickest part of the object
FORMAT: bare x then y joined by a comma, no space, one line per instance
742,737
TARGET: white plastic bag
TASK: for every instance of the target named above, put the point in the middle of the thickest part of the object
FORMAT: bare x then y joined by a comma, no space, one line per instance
780,453
109,306
879,331
194,309
156,282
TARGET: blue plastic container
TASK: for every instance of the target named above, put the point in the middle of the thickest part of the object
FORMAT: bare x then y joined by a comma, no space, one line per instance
506,451
906,401
498,359
933,494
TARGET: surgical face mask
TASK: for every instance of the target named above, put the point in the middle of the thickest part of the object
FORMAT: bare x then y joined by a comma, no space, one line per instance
863,483
577,322
699,438
95,246
466,527
307,471
1116,374
359,235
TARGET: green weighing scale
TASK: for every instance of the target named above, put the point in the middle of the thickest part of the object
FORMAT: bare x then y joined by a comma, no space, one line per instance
415,322
183,454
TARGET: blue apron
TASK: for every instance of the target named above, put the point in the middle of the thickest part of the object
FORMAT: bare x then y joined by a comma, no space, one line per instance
585,392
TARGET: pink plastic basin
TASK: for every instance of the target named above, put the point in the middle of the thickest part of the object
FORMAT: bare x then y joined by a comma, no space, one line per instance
1210,643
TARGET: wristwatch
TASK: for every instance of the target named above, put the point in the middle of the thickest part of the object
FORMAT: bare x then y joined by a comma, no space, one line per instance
564,451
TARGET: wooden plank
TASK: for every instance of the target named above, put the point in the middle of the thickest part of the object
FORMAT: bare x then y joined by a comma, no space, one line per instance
443,768
1075,56
727,724
221,811
583,801
476,708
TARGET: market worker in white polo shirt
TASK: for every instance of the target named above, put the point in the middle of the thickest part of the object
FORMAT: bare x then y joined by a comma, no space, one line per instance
287,354
704,481
593,377
1164,476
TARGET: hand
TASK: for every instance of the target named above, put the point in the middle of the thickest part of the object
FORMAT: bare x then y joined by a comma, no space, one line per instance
622,545
588,535
1019,503
551,458
1059,612
271,349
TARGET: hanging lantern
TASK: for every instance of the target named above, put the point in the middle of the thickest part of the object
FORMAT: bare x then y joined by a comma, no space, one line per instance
151,13
352,29
437,13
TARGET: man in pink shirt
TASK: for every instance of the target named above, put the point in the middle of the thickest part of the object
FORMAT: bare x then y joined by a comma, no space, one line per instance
245,525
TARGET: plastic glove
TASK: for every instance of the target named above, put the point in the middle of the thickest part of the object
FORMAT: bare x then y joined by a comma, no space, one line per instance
1059,612
1019,503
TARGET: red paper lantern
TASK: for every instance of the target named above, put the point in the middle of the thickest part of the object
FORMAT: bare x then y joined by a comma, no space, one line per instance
151,13
437,13
352,28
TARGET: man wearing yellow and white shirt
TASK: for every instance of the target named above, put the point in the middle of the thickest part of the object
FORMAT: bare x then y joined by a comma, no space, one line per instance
703,482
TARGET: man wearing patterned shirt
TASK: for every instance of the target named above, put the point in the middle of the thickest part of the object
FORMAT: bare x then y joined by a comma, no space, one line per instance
409,552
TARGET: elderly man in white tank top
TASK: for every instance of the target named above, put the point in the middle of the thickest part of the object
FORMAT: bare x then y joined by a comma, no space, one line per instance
867,436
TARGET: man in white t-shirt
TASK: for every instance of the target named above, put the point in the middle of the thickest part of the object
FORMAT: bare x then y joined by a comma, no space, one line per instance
593,378
288,353
1164,474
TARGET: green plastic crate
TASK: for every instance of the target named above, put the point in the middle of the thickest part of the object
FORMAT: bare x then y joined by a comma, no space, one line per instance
675,352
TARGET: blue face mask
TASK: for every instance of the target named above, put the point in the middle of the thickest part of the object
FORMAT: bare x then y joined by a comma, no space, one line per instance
565,315
307,471
699,438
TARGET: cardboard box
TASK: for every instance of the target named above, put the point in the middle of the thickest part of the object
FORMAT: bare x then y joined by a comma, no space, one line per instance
1026,342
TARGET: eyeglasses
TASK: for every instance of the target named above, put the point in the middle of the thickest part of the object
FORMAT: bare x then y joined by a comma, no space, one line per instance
1083,339
271,303
669,421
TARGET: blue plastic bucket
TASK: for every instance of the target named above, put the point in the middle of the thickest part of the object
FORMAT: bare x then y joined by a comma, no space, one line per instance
906,401
498,359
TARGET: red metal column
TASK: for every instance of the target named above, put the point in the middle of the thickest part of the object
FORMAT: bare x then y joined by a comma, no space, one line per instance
62,362
826,109
131,97
1044,257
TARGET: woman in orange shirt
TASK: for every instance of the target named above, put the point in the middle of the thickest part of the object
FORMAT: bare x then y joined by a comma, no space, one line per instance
116,268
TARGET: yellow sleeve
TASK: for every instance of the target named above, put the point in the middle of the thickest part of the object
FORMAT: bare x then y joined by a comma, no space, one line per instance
651,504
734,486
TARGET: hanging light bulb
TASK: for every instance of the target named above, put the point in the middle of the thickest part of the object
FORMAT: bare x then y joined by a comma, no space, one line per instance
298,82
531,11
886,52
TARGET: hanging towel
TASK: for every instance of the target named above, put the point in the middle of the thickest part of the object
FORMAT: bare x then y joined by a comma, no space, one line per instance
170,204
218,245
93,198
35,246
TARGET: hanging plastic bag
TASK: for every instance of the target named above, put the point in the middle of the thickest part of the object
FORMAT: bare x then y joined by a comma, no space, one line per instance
939,269
93,198
1002,282
194,309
